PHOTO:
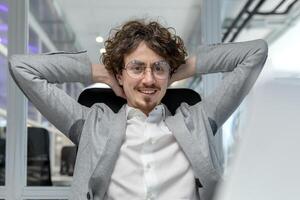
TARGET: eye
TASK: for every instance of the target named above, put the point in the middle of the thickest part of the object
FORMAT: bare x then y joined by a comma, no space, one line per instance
158,68
161,67
136,68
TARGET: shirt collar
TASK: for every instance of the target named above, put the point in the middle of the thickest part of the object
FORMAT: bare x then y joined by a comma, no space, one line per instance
157,114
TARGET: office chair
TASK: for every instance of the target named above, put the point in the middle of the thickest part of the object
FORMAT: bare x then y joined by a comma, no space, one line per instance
173,98
2,161
38,157
68,157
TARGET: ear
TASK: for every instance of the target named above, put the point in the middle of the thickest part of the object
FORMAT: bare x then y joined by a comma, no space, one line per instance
120,78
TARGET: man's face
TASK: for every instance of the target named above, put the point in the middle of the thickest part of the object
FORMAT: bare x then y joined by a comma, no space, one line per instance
147,91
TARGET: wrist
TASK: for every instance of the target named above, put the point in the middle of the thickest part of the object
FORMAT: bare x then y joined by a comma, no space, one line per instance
191,66
98,73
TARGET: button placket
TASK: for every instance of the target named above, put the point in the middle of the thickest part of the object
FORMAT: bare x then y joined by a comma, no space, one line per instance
149,173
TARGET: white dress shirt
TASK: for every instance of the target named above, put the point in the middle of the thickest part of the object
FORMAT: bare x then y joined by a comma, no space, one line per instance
151,165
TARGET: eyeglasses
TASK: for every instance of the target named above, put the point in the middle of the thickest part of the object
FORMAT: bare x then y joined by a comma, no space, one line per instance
136,69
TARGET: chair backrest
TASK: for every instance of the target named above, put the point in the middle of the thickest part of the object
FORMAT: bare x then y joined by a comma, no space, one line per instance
38,157
2,152
2,161
68,157
173,98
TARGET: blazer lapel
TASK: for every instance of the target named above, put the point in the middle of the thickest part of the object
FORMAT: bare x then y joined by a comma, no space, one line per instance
201,165
105,165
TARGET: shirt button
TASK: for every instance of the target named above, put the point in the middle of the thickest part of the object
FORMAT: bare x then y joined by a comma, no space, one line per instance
148,166
88,196
152,141
150,196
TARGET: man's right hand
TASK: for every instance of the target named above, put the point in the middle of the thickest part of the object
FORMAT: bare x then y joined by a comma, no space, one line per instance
101,75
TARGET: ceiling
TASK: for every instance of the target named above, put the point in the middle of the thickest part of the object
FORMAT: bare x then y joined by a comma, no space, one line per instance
263,24
98,17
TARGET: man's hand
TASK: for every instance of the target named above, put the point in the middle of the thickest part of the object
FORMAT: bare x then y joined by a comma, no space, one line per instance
101,75
186,70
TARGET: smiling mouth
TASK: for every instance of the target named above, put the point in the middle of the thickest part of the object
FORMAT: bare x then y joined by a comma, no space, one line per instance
148,91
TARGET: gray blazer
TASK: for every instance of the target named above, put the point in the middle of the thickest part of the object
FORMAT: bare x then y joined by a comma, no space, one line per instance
99,132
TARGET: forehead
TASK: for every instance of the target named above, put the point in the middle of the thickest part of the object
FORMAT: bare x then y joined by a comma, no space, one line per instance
142,53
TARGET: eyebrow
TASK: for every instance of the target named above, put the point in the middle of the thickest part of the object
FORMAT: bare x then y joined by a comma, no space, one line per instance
141,62
136,61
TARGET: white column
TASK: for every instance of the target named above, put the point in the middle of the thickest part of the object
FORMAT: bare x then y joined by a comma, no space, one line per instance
210,33
210,15
210,21
16,136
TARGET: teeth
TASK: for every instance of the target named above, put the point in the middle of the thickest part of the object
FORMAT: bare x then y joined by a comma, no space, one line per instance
147,91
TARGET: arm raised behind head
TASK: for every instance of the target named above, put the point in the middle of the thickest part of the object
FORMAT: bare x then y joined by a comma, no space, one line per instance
37,76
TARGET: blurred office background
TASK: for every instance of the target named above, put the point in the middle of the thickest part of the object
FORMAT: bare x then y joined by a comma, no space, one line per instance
36,160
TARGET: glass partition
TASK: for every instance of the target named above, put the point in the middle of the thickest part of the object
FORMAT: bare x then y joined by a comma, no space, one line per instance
3,84
51,156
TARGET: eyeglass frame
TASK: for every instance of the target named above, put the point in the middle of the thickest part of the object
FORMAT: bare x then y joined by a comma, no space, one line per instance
171,71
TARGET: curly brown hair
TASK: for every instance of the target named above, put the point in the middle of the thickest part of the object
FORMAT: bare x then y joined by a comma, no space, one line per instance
125,39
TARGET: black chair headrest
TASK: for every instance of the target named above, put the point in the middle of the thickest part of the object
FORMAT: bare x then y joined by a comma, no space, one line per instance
173,98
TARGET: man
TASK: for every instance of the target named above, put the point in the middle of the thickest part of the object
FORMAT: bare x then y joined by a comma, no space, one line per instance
142,151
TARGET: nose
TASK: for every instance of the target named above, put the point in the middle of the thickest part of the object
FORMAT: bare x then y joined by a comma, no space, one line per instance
148,78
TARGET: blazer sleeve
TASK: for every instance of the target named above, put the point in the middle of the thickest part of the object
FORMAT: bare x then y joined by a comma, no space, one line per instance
242,63
37,76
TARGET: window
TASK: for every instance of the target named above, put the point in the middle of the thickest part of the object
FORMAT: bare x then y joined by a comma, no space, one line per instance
51,156
3,84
